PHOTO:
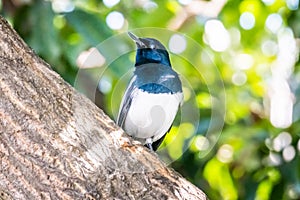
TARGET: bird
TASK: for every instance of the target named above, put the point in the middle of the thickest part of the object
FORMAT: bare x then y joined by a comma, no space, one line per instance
153,96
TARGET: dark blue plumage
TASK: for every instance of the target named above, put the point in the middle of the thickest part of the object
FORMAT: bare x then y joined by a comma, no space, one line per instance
155,88
148,55
153,95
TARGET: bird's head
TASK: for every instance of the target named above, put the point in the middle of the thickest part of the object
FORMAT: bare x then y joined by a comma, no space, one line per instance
150,50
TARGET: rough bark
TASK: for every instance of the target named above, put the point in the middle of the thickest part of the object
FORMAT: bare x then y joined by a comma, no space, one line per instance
56,144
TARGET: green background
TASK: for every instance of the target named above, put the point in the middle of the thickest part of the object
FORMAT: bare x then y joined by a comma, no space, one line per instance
236,153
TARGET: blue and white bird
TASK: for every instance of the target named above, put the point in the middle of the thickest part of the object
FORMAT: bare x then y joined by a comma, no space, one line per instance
153,96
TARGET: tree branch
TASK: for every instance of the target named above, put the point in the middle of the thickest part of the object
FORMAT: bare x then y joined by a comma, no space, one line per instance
56,144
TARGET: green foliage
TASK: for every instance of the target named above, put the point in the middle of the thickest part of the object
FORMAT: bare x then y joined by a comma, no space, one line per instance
251,158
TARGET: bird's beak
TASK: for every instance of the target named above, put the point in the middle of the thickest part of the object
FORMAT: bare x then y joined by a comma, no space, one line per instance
137,40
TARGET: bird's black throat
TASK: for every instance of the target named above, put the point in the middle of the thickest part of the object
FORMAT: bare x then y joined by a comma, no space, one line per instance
148,55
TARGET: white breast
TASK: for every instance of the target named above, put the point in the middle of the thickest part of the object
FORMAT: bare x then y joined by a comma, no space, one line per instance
151,115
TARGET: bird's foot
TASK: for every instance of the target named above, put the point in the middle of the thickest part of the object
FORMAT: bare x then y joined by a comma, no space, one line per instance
148,144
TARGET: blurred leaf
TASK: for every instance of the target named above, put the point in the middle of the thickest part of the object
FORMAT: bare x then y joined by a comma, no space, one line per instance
219,178
265,186
36,24
294,22
92,27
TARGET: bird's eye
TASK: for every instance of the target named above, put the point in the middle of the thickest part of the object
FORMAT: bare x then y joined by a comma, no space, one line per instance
152,46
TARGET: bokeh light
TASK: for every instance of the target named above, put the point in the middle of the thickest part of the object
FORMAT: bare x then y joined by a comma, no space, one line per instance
243,61
216,36
105,84
283,140
177,44
61,6
90,59
115,20
269,48
280,94
110,3
289,153
225,153
247,20
293,191
268,2
201,143
292,4
150,6
274,22
281,103
239,78
184,2
274,159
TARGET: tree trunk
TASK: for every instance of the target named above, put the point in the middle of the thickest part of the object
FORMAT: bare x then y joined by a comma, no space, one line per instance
56,144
